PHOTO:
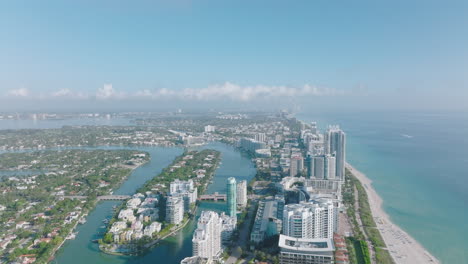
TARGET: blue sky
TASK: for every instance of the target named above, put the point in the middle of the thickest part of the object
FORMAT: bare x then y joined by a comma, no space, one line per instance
414,52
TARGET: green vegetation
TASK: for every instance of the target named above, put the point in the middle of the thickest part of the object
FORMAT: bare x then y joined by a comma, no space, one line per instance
37,217
369,226
184,167
358,251
84,136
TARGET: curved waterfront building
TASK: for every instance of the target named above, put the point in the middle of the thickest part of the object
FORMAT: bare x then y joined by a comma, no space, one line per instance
232,197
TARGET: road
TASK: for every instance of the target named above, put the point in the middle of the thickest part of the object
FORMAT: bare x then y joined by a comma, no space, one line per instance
244,234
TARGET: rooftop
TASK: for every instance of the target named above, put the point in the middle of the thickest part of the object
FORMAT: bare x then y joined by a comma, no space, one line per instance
306,244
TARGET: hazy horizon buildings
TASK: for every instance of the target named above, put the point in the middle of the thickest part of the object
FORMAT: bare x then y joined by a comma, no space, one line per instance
296,164
260,137
210,129
251,145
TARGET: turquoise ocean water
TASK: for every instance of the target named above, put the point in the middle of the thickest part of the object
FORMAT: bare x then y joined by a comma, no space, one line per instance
418,163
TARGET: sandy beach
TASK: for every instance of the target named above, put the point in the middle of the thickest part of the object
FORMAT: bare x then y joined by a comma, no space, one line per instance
403,248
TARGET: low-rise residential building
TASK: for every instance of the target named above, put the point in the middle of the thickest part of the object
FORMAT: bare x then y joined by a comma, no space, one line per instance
133,203
154,227
118,227
127,215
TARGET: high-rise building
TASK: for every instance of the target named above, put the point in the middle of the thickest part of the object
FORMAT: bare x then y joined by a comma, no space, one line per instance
336,144
178,186
242,193
313,127
314,219
209,129
251,145
321,167
185,189
316,144
261,137
296,164
228,227
174,209
305,250
232,197
207,237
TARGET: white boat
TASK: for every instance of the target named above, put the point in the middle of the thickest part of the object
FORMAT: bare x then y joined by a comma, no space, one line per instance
82,220
72,235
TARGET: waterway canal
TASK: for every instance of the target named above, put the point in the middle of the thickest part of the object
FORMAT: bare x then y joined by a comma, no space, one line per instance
172,249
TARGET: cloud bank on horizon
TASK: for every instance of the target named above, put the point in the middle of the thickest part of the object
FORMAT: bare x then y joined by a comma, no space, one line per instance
225,91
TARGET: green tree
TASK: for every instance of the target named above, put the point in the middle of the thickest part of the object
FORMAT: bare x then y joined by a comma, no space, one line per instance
107,238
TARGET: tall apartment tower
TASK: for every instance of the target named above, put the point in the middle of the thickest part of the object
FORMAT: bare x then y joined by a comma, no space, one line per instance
315,219
336,144
174,209
321,167
206,240
260,137
242,193
232,197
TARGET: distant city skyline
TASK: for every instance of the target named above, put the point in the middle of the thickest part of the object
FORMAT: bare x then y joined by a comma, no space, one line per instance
110,54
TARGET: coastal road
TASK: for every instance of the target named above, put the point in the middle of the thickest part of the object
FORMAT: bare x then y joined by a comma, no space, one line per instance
243,235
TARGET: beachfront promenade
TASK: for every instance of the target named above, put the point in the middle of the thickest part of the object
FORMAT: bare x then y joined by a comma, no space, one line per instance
101,198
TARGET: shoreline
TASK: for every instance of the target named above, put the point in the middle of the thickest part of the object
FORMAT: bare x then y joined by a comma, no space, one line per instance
154,243
402,247
86,213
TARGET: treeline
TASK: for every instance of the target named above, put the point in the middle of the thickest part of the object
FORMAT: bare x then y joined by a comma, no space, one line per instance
370,228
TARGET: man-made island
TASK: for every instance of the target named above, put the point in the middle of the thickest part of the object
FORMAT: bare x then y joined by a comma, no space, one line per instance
162,206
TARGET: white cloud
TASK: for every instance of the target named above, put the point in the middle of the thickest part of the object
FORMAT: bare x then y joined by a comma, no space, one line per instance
62,92
238,93
67,93
225,91
108,92
21,92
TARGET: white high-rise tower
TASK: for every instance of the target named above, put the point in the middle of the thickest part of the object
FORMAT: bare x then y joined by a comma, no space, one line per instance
207,237
315,219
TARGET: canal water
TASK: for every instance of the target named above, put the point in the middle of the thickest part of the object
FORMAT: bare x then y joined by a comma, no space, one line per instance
172,249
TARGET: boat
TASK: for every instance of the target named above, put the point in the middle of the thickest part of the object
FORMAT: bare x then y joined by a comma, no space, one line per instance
72,235
82,220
